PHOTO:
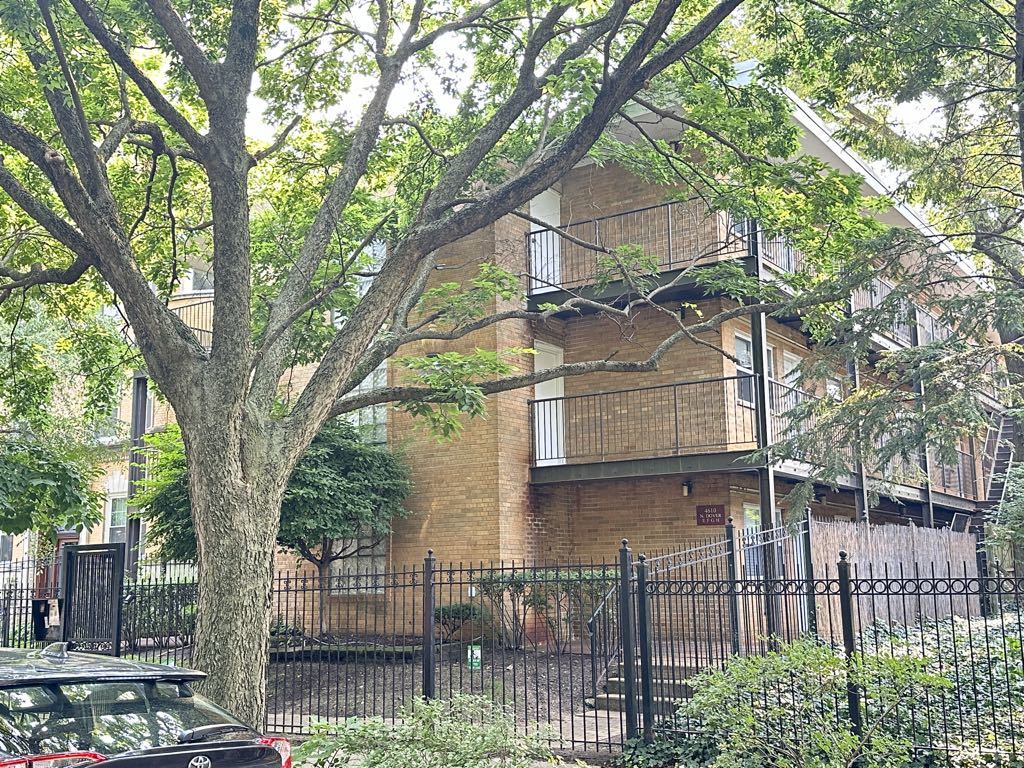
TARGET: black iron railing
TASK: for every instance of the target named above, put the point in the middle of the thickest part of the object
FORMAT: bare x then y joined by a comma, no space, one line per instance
709,416
704,417
591,654
198,316
669,236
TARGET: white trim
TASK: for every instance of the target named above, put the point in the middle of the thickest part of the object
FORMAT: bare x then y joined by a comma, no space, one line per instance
554,413
552,349
811,121
108,514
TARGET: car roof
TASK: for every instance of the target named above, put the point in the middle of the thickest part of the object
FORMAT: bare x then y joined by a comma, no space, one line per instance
54,664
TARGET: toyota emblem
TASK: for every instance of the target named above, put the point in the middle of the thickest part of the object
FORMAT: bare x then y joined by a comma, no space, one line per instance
200,761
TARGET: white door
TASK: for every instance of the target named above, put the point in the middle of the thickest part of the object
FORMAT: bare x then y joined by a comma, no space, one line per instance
546,245
548,408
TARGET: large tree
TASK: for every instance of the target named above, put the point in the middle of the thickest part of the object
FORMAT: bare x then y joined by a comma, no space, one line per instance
281,141
341,497
934,91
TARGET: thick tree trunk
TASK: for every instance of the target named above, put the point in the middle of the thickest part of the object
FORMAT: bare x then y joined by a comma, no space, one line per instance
236,506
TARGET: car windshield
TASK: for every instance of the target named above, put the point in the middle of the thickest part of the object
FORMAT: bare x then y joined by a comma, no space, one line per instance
105,717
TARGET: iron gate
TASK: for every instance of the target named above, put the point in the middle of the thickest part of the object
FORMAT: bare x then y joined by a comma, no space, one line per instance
92,584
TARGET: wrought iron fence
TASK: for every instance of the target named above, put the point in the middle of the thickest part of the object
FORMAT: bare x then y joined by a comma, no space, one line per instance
591,654
957,624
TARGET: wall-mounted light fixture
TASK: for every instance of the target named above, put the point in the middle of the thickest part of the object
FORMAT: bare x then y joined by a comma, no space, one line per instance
687,487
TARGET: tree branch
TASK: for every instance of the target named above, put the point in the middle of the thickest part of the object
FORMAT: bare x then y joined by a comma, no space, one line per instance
123,59
195,59
278,141
433,232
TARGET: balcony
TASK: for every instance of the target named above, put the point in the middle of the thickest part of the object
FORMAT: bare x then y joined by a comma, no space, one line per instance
671,236
686,419
957,478
875,296
198,316
707,425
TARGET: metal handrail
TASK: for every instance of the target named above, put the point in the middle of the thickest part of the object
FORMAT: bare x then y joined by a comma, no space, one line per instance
626,390
563,227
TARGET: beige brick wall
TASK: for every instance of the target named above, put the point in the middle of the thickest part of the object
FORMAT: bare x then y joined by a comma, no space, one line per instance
676,236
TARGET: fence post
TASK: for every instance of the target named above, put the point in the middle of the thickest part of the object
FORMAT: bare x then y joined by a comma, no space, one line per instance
429,660
849,642
734,597
644,638
982,557
626,638
812,606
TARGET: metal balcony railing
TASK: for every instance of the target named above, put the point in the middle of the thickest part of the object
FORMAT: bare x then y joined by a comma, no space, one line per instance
874,297
930,328
957,478
689,418
198,316
697,418
776,250
670,236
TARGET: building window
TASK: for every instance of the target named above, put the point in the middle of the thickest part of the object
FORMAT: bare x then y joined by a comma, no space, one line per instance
372,420
745,368
6,547
374,257
111,427
117,519
150,415
753,554
378,250
361,571
202,279
790,364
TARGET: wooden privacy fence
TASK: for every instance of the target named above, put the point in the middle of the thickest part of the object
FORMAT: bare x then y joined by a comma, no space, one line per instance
893,547
897,553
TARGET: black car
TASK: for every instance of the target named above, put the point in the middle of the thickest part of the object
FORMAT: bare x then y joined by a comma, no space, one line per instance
60,709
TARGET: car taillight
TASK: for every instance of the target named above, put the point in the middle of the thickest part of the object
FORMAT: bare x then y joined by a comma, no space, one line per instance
58,760
282,745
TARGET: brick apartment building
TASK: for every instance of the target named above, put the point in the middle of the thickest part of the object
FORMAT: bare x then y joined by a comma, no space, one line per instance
566,469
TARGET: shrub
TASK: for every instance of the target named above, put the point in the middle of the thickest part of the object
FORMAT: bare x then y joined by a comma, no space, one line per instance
667,752
452,618
983,707
561,600
788,709
463,732
163,613
283,634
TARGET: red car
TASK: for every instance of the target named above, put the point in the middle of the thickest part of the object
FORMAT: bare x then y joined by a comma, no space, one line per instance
60,709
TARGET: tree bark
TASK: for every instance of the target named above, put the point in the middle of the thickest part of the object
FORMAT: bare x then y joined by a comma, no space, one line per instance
236,504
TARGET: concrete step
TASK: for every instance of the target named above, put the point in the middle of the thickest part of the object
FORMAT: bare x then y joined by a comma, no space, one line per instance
616,702
663,688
